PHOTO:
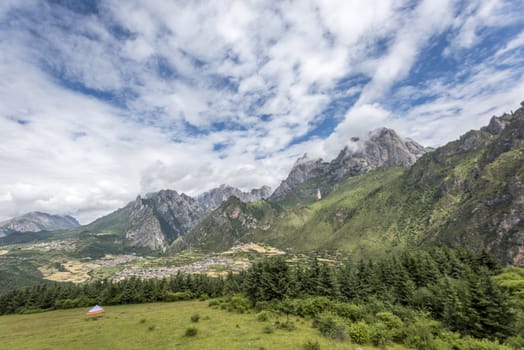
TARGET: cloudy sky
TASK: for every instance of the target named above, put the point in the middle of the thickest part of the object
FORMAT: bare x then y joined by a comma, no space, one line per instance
102,100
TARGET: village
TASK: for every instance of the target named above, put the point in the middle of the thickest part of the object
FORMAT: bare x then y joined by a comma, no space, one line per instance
213,265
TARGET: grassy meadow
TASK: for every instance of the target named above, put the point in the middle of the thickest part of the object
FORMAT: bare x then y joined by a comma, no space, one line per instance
156,326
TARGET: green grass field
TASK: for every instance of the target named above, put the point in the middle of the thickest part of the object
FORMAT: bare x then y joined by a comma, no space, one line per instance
156,326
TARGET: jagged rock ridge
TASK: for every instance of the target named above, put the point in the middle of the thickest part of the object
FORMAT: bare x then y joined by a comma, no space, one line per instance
160,218
212,199
382,148
37,221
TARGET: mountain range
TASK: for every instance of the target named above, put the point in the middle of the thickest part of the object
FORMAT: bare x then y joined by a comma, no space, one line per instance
37,221
379,194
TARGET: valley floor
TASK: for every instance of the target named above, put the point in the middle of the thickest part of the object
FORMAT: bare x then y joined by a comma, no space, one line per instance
156,326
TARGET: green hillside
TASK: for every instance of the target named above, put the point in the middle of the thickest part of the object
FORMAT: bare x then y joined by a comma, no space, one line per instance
469,192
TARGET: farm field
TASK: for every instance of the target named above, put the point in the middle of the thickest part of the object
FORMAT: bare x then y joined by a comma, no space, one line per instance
157,326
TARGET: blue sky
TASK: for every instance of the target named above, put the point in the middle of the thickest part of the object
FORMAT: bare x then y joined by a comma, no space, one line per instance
102,100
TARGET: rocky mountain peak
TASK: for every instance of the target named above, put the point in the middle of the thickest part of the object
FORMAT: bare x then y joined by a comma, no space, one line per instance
497,124
213,198
303,170
37,221
160,218
383,147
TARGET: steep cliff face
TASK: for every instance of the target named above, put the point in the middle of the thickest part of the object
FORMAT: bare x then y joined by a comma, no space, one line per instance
213,199
303,170
382,148
144,228
160,218
477,186
36,222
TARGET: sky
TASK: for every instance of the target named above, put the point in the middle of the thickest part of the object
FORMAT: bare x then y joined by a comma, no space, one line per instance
103,100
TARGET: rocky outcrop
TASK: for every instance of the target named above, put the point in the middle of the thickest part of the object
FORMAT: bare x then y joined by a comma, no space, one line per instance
160,218
382,148
213,199
37,221
478,182
223,227
303,170
144,228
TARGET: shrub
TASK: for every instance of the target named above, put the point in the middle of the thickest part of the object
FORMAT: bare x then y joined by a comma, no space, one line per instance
214,303
360,332
263,316
191,332
312,306
483,344
268,329
388,328
151,328
240,303
195,318
516,341
349,311
142,321
421,335
236,303
287,326
178,296
331,326
310,345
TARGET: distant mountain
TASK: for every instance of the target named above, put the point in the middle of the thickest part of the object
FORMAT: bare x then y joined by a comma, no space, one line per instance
383,147
212,199
160,218
37,221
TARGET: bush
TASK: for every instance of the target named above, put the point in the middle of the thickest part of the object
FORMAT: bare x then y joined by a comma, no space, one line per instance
349,311
178,296
236,303
310,345
311,307
263,316
331,326
214,303
191,332
360,332
483,344
380,334
517,342
287,326
268,329
389,325
195,318
151,328
421,335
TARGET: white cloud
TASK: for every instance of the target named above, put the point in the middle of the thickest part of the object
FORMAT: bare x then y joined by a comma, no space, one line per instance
217,66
